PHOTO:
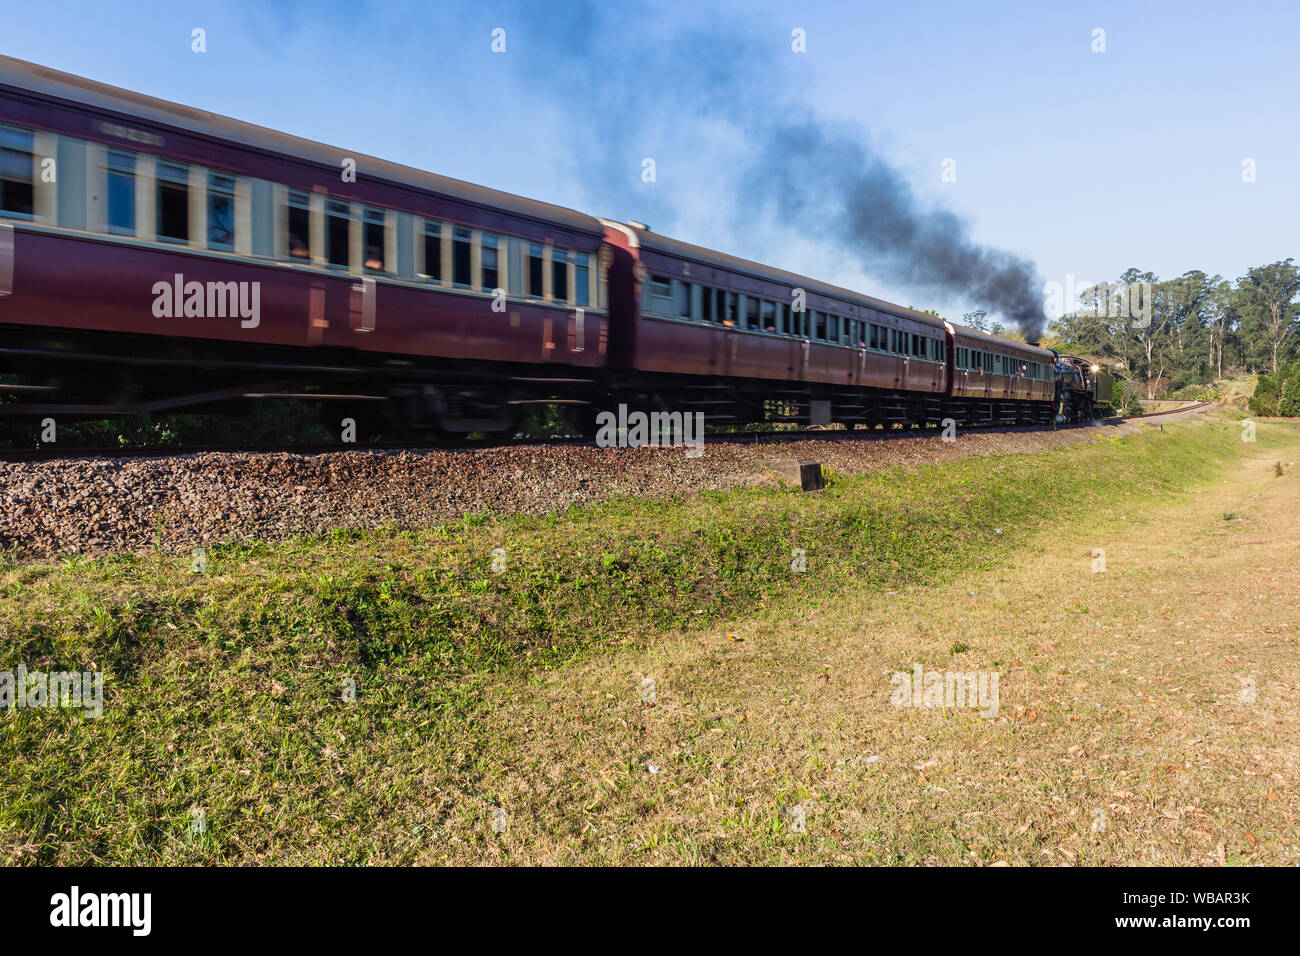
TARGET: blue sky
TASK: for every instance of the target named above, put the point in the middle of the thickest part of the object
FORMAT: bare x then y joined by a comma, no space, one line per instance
1085,163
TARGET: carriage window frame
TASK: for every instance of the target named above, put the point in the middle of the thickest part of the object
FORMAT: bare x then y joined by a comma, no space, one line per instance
559,274
432,264
373,224
120,173
221,188
536,274
462,257
16,143
489,249
582,279
172,202
338,213
683,307
297,206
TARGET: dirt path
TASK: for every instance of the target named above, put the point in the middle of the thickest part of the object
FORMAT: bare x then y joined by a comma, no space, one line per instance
1145,715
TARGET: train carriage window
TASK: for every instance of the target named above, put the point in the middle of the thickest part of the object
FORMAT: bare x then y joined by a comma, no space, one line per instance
819,325
338,222
489,264
559,275
17,162
221,211
462,246
372,236
751,312
121,193
706,304
582,280
768,316
873,336
682,299
733,309
173,203
432,250
536,266
832,327
299,232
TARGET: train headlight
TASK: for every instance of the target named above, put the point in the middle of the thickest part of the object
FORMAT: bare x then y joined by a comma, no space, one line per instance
1096,368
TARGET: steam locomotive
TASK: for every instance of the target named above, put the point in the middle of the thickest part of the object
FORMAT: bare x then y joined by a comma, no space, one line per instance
157,258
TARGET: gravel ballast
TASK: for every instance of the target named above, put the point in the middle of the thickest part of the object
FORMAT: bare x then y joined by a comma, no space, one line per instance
99,506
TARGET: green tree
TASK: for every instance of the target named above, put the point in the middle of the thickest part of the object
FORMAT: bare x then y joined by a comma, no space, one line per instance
1266,298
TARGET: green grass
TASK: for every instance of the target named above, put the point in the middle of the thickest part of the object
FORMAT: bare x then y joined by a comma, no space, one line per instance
224,690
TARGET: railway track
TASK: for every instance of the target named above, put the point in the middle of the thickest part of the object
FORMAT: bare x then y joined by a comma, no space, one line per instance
49,453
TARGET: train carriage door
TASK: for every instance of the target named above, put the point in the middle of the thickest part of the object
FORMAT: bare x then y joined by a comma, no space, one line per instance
905,373
803,321
949,358
726,339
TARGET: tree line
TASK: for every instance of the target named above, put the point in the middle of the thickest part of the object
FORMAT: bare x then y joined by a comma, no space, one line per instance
1169,337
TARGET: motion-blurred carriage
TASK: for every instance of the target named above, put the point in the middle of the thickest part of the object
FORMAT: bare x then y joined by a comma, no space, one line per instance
416,303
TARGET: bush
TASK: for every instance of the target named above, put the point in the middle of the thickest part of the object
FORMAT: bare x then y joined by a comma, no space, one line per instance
1201,392
1278,395
1124,398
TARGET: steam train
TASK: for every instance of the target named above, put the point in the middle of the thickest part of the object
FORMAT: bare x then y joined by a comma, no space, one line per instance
157,258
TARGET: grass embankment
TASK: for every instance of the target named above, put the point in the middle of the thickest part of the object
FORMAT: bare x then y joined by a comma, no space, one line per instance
224,690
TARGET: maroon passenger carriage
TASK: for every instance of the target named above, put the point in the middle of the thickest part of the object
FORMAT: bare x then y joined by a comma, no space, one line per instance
745,342
379,285
156,258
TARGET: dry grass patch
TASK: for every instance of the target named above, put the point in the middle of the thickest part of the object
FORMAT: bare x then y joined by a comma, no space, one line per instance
1126,733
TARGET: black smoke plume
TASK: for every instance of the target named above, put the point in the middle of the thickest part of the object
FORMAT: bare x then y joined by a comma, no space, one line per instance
830,185
648,79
